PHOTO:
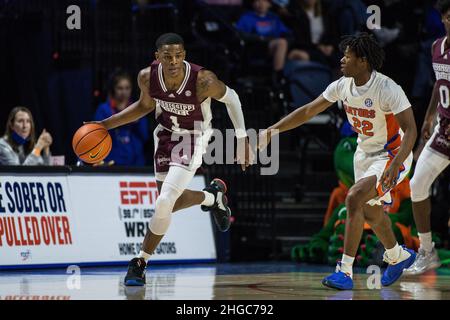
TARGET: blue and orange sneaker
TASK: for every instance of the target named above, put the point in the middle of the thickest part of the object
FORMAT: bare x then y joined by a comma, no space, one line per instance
338,280
394,271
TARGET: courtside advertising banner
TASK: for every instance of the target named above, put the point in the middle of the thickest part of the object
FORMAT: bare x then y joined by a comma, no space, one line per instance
93,219
37,222
118,213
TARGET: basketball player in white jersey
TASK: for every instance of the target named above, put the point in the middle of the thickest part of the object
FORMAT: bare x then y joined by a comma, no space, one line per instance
180,93
379,111
435,155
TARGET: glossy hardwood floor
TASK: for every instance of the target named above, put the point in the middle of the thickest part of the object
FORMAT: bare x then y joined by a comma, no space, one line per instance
258,281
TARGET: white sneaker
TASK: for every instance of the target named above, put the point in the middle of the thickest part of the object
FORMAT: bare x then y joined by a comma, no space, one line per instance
424,262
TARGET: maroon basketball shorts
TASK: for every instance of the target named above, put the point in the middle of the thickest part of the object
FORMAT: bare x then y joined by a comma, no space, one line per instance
440,140
178,149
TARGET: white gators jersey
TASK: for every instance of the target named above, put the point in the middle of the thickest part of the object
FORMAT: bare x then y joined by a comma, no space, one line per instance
370,110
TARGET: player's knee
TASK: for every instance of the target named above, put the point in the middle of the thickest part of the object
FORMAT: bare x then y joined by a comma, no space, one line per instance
164,205
419,189
353,202
160,224
163,213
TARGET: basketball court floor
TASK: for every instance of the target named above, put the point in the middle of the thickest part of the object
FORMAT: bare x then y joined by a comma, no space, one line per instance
265,281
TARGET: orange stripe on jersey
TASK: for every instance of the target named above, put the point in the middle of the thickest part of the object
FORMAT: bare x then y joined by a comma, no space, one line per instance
392,128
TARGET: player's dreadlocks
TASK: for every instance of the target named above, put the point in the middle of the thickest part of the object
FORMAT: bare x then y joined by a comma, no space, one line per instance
443,6
364,45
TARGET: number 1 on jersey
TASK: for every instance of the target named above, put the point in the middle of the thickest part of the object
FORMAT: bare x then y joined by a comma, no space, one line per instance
175,123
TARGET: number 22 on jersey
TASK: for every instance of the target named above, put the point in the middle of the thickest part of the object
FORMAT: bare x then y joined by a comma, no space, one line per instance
362,127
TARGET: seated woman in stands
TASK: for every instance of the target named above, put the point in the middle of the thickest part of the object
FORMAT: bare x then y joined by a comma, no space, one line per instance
19,146
264,27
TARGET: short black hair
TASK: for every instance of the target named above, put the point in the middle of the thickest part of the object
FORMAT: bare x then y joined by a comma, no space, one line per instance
167,39
443,6
364,45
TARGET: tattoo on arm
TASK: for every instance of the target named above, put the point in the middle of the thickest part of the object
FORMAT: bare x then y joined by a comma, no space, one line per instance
210,86
205,83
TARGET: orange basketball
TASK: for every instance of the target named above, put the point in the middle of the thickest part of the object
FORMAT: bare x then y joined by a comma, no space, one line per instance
92,143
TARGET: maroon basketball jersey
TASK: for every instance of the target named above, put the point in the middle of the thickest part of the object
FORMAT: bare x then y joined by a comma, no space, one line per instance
179,110
441,66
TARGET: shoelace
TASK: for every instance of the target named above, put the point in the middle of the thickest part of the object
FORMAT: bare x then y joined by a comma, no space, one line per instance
392,261
338,269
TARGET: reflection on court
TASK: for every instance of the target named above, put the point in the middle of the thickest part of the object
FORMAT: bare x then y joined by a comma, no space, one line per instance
267,281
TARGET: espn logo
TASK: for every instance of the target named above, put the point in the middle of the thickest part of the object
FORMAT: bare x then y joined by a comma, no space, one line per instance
138,192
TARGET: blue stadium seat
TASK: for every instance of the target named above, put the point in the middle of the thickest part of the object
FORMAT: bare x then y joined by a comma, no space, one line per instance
307,80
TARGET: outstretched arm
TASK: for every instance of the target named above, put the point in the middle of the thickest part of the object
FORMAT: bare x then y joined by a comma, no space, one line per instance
138,109
302,114
208,85
294,119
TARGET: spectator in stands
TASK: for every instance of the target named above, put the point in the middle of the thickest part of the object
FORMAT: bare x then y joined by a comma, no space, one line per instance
18,146
127,141
262,25
313,29
352,17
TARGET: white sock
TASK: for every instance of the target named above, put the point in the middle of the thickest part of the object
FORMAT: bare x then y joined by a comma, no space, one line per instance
347,264
209,199
397,254
425,242
144,255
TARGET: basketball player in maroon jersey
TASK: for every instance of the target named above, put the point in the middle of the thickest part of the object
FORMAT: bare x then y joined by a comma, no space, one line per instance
180,94
435,156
